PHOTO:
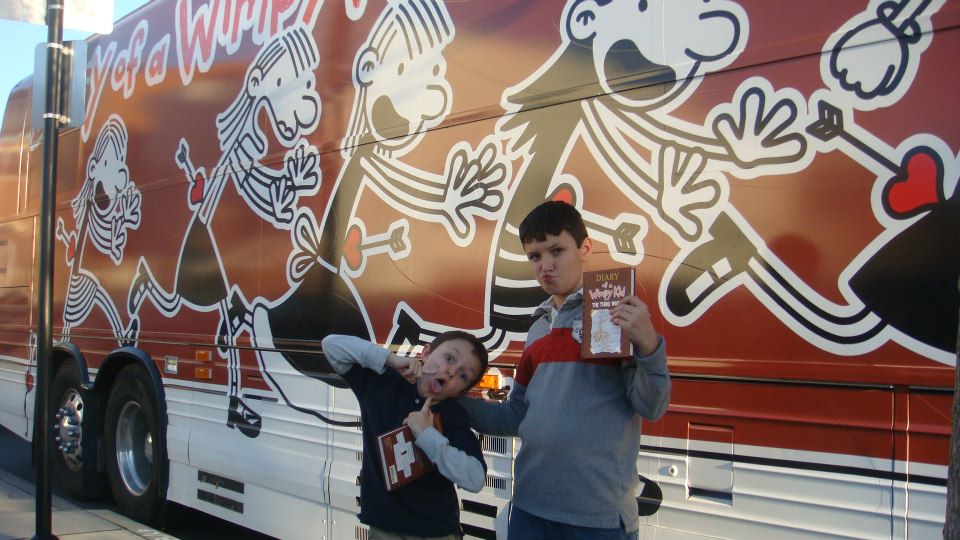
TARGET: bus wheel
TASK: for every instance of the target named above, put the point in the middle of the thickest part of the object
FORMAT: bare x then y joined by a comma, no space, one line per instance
136,448
66,446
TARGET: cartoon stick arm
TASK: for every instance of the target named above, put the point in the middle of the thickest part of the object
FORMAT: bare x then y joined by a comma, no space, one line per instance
197,178
679,195
273,193
903,18
412,189
471,185
62,233
69,240
756,129
183,159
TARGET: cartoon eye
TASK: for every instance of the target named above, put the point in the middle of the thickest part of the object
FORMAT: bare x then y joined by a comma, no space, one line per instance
642,6
400,69
436,70
367,67
278,82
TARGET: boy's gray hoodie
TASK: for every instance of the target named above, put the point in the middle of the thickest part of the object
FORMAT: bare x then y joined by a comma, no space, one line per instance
578,422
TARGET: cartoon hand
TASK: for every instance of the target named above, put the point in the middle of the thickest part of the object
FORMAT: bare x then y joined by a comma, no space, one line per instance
683,193
889,36
759,135
473,186
302,163
130,205
302,166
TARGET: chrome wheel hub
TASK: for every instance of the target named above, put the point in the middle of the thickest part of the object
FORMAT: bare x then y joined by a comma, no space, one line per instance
67,430
134,446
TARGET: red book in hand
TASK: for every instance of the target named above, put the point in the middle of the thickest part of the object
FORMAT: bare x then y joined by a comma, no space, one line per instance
402,460
602,289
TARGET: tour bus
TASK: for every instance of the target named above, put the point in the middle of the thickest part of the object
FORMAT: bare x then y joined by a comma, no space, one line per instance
251,176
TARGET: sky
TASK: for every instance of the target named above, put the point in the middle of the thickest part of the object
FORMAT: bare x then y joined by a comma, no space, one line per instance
18,41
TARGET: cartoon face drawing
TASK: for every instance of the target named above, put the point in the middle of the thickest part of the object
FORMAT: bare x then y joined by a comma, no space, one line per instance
402,75
115,201
104,210
633,38
108,171
285,85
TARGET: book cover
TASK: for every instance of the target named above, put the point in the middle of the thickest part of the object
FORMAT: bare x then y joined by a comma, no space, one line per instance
602,289
403,461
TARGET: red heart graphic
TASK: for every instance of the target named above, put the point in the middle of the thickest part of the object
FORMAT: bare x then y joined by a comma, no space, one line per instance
917,188
196,192
351,248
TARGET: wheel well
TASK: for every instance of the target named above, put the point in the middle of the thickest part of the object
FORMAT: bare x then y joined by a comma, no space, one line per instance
120,359
97,392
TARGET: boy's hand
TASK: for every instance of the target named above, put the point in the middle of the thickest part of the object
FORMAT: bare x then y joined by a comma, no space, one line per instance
420,420
633,317
408,368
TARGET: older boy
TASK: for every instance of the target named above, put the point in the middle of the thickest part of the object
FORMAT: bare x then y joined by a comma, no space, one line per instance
411,393
579,421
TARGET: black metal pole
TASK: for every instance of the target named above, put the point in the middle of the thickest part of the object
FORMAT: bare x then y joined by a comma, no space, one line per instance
48,201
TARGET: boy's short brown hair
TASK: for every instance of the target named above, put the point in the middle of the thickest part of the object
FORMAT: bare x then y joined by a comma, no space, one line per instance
476,347
552,217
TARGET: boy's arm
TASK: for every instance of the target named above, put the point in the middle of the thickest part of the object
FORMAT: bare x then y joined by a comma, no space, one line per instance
458,466
645,374
461,468
648,382
344,352
497,418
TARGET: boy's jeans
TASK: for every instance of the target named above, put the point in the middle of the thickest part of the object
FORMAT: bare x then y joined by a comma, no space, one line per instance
524,526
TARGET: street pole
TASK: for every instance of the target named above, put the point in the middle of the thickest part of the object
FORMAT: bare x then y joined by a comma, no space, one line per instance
48,201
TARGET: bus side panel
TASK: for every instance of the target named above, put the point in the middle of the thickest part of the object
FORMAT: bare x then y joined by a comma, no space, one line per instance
16,373
247,183
760,459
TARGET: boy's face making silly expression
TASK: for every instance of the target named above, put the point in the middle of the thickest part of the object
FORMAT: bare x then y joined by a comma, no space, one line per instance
448,370
557,263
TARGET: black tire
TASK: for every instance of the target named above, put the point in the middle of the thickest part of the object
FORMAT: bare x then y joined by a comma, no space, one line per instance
136,448
67,410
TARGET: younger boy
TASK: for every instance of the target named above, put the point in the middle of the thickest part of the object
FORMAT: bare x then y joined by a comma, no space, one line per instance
410,393
575,476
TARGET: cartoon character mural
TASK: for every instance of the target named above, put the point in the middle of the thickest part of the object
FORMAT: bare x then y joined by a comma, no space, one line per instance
282,82
684,186
889,285
627,68
104,209
401,92
606,49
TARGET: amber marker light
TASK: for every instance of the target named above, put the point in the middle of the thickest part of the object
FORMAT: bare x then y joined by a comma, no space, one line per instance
490,381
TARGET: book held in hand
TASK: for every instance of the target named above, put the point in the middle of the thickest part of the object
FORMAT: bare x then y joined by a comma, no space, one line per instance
403,461
602,289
